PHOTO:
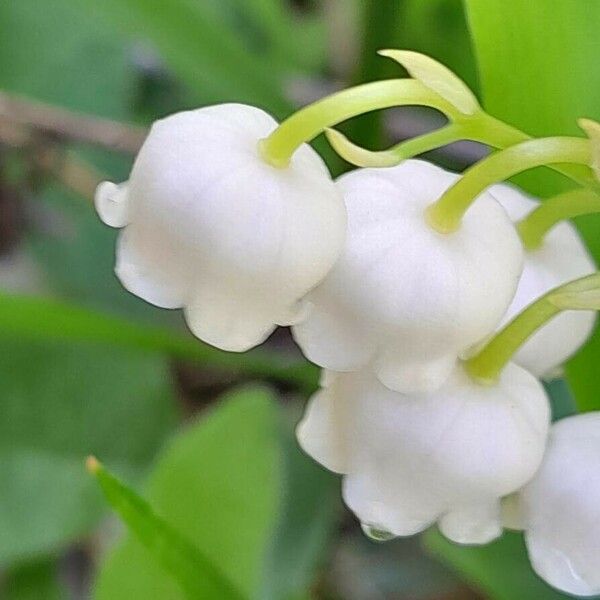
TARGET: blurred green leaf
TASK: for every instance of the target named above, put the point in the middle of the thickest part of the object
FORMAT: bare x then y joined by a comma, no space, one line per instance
36,318
197,576
57,405
438,28
307,517
62,55
291,38
539,71
538,65
500,570
218,483
206,54
33,581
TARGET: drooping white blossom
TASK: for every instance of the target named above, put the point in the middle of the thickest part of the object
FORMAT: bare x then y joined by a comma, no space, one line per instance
403,298
211,227
449,456
562,257
560,508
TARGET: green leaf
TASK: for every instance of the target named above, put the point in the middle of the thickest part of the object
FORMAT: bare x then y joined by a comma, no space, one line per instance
307,517
196,575
545,75
218,483
69,58
499,570
32,581
36,318
58,404
286,37
206,54
538,67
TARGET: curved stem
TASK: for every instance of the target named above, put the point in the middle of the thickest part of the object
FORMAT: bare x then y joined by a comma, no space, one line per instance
581,294
361,157
428,141
446,213
311,120
567,205
493,132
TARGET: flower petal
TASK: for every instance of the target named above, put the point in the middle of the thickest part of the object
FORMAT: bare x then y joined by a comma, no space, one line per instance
321,432
477,524
398,372
156,281
327,340
227,319
112,203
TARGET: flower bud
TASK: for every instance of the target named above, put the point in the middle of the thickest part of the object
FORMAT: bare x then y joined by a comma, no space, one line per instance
560,508
562,257
212,227
447,456
403,297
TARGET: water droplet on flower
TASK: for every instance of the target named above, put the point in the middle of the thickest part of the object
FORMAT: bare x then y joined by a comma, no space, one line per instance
376,533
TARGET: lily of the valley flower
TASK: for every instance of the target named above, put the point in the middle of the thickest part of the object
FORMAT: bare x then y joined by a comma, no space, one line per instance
403,298
560,508
447,456
210,226
561,257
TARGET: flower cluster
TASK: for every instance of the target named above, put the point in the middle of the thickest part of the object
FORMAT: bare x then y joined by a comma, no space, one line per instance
425,296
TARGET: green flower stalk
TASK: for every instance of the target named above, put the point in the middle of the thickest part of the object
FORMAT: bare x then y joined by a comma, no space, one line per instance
573,203
445,214
310,121
487,364
361,157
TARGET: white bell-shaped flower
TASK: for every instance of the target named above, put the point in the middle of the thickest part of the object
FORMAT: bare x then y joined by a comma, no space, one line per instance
562,257
404,298
560,508
212,227
447,456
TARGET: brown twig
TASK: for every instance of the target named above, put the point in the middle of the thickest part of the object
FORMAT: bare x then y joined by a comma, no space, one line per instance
74,173
65,125
42,130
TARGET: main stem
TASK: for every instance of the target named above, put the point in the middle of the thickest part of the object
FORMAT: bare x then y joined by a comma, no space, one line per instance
567,205
581,294
446,213
308,122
